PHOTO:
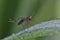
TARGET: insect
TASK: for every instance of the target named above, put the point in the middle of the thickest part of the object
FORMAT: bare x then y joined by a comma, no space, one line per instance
24,19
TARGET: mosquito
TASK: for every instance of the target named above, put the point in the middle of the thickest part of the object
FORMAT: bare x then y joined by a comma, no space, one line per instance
24,19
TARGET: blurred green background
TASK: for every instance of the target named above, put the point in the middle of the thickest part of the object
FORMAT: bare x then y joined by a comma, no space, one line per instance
40,10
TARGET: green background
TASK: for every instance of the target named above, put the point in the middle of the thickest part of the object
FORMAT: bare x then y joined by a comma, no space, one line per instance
40,10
